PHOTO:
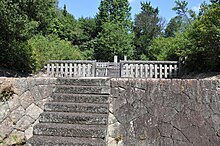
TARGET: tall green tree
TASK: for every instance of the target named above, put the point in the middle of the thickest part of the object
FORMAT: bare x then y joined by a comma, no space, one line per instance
86,36
115,11
113,40
205,39
182,10
147,26
172,27
19,21
64,25
114,14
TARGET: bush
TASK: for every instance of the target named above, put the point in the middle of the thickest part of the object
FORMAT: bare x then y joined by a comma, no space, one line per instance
51,48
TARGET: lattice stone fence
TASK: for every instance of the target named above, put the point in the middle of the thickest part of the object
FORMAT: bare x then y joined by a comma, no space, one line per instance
149,69
134,69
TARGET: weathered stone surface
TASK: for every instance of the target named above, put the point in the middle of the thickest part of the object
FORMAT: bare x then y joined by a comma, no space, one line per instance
45,90
76,107
21,86
33,111
65,141
70,130
14,102
79,98
15,138
24,123
28,133
36,93
17,114
6,128
164,112
84,81
26,99
4,110
45,81
82,89
73,118
41,103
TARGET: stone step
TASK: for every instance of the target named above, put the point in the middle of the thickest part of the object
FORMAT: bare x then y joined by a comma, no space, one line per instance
84,81
82,89
73,118
76,107
37,140
70,130
79,98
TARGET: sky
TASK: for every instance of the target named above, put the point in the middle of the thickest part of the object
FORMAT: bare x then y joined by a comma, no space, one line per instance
89,8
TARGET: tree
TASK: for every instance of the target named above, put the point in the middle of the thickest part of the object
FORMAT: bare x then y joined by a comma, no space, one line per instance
116,11
86,36
147,26
172,27
184,12
170,48
113,40
205,39
16,28
113,14
64,25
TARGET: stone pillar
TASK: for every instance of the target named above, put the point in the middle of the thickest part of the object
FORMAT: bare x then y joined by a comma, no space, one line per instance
115,59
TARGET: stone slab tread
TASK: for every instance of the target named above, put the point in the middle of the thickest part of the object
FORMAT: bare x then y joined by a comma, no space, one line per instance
37,140
76,107
84,81
79,98
103,90
73,118
70,130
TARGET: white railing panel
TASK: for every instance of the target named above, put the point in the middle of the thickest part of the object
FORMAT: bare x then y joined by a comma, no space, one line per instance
149,69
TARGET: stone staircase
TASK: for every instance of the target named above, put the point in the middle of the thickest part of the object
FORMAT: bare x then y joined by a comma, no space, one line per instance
76,114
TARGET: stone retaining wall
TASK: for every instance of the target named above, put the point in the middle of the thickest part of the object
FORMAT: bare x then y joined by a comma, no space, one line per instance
150,112
142,112
19,113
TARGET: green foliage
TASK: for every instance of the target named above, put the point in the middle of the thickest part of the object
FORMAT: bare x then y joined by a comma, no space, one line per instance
86,34
19,21
64,25
33,32
199,43
115,11
114,26
147,26
51,48
183,11
205,38
113,40
173,27
170,48
6,93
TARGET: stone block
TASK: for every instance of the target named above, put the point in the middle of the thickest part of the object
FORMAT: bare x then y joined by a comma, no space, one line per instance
24,123
28,133
17,114
4,110
36,93
20,86
6,127
33,111
14,102
45,90
26,99
15,138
